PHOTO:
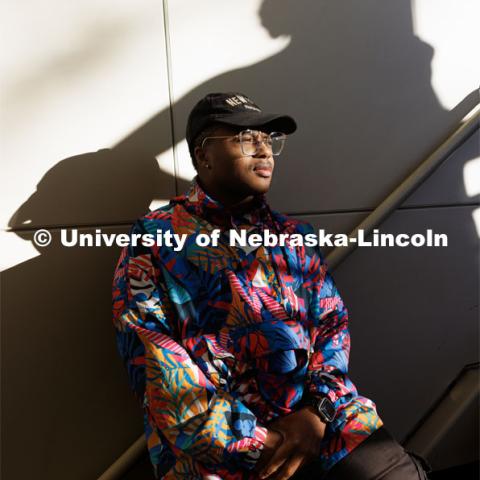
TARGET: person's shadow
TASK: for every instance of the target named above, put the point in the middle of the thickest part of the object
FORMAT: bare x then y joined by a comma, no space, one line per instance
357,81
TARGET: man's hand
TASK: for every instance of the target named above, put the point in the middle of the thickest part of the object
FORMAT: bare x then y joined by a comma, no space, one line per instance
302,433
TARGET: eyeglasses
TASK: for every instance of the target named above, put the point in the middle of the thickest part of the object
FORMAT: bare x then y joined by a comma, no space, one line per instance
250,141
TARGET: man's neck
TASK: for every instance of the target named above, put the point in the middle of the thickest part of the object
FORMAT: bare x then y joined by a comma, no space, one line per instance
227,199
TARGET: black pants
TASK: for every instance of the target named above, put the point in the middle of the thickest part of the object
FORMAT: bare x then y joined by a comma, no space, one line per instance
379,457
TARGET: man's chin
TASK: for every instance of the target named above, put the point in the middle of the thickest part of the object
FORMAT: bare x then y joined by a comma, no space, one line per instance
261,188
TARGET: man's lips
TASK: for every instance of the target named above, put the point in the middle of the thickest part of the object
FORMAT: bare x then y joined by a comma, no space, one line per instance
263,169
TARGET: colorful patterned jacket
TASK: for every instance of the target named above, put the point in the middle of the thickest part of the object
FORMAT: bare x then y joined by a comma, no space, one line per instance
218,341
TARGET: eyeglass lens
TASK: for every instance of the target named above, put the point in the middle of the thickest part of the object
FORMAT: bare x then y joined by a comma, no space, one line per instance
250,141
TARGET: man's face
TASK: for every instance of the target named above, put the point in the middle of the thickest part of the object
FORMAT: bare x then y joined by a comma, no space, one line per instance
230,173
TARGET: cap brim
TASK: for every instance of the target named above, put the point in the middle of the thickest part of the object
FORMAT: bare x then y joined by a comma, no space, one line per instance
272,121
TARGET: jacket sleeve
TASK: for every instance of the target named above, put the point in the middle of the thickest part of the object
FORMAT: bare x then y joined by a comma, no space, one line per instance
327,372
194,414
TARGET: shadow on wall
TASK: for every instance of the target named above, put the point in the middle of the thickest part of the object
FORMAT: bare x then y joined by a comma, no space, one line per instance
353,70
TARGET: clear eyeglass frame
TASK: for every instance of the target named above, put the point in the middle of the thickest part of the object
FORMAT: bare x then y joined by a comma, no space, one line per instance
249,141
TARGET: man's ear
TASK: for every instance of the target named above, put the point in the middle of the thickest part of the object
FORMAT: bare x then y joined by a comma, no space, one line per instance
200,156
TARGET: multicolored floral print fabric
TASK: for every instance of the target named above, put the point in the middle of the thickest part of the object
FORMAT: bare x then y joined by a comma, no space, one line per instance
219,341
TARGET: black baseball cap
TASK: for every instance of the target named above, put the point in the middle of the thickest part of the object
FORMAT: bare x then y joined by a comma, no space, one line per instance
234,109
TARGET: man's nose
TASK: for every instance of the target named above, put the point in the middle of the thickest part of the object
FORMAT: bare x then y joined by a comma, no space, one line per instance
263,148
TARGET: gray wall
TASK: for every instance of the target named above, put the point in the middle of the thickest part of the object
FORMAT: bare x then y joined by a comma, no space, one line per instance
358,81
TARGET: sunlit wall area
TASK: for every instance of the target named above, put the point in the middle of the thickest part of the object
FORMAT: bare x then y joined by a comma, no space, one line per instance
79,80
451,28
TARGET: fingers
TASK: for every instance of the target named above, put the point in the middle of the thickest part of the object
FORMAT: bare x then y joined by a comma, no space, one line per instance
276,460
289,467
272,442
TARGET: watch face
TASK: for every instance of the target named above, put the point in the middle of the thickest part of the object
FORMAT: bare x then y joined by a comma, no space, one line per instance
326,410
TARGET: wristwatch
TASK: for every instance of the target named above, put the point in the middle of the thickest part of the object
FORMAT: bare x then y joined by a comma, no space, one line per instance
322,405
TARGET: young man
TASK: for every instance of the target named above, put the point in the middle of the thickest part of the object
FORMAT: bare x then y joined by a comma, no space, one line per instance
238,353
